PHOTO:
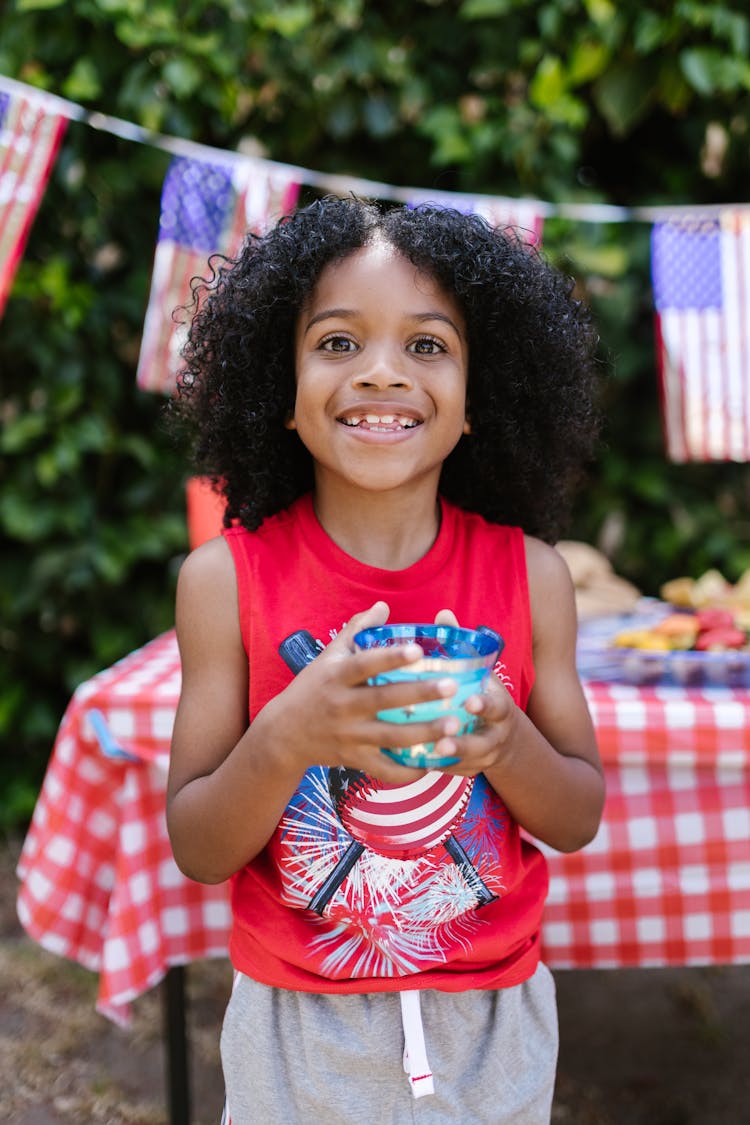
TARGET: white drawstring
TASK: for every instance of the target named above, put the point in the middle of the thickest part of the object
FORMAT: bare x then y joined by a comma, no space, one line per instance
415,1052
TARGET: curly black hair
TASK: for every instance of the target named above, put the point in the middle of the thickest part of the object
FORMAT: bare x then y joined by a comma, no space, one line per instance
532,378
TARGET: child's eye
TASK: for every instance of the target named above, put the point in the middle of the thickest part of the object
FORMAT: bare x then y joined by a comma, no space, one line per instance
427,345
337,344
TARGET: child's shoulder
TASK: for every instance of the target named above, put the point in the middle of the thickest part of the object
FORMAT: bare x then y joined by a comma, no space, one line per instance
206,592
544,563
207,564
551,589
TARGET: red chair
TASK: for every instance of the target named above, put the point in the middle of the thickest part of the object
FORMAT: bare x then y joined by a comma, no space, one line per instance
205,511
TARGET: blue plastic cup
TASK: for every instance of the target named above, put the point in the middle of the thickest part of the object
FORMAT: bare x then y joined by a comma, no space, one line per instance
464,655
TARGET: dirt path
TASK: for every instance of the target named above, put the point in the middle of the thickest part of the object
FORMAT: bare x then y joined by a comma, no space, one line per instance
638,1047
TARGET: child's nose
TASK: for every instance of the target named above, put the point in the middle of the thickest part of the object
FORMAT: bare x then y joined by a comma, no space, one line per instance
381,367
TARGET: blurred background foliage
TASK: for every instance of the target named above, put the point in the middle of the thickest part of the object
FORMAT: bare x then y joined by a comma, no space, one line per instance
609,101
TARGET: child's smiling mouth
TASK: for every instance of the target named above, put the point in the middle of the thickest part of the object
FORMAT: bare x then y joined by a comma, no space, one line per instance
385,422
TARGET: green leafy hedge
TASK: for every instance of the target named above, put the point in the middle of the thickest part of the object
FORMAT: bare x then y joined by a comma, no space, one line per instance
625,103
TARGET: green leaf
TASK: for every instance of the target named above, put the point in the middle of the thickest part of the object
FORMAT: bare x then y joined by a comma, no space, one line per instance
348,13
183,76
141,449
450,139
485,9
29,523
605,261
287,19
601,12
120,7
549,92
651,31
50,464
38,5
23,431
702,68
587,60
622,98
709,70
82,84
549,82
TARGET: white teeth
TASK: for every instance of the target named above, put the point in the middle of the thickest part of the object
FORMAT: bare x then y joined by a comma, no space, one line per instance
402,420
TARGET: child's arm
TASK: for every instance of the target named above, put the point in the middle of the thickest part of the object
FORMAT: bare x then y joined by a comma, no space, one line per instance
229,783
544,763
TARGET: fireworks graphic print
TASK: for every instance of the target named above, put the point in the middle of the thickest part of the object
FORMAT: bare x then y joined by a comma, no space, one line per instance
395,872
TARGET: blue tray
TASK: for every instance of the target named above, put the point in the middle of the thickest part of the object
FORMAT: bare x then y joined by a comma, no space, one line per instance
599,659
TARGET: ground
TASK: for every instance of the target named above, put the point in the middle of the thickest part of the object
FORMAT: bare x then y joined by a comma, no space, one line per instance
638,1047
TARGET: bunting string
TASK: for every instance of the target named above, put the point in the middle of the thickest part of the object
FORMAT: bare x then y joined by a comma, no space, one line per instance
344,184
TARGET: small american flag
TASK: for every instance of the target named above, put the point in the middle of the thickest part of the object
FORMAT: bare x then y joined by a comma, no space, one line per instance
206,208
701,278
31,129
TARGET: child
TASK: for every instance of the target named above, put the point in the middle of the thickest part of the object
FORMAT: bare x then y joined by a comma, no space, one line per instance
396,404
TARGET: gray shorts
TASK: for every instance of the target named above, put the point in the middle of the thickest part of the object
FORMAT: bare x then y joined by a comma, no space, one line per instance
296,1057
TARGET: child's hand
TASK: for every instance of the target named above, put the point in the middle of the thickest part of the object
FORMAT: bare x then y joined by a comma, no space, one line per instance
491,739
496,712
327,714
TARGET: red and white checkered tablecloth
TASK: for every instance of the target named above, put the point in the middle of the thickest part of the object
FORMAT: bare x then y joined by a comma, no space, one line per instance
665,882
98,881
667,879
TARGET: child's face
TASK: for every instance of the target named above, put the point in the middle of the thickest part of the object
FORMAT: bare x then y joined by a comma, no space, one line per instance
381,367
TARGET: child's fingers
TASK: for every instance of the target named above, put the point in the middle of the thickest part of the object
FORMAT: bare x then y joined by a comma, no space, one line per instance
363,664
394,735
446,617
406,693
379,732
493,704
377,614
343,643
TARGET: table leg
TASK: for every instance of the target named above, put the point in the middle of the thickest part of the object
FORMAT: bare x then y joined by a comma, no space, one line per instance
175,1034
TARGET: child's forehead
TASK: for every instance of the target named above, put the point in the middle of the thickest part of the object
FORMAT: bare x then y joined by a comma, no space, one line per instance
377,262
374,255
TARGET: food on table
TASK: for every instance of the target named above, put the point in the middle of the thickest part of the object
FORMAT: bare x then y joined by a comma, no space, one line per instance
711,615
598,590
710,590
720,640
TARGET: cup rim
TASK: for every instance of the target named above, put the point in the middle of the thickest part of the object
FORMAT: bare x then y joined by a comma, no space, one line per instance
485,645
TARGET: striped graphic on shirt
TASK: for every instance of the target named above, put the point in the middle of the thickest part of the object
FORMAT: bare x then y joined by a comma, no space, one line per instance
405,820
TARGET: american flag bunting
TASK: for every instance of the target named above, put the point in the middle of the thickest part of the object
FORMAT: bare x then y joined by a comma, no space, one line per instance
207,207
31,129
701,279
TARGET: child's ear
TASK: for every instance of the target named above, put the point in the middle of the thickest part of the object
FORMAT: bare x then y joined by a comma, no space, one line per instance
467,425
289,422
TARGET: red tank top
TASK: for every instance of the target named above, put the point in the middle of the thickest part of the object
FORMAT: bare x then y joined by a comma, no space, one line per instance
331,904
